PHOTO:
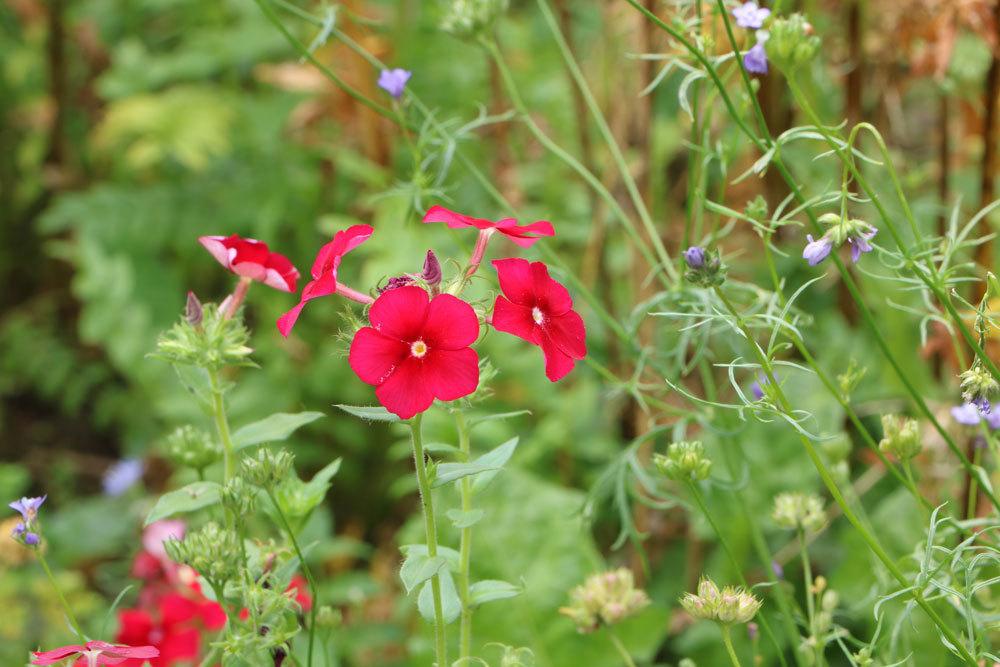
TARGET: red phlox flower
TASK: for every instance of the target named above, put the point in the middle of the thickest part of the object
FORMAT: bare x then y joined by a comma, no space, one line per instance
175,630
522,235
417,349
95,653
250,258
540,310
324,271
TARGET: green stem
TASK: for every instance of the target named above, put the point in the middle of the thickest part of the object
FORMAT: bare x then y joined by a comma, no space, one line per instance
306,570
62,598
810,600
222,425
465,548
728,641
620,647
430,528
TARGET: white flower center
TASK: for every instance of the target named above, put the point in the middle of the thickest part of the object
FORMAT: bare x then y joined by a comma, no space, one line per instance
537,315
418,349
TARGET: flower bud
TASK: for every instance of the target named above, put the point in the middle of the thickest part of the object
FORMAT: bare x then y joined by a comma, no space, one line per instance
695,257
900,437
605,599
432,270
837,449
267,469
214,342
756,208
213,552
705,267
328,617
978,387
466,19
193,311
791,44
684,461
799,511
727,606
239,497
192,448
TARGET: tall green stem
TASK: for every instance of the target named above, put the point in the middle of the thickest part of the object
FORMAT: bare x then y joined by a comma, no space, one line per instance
620,647
728,641
222,425
465,548
62,598
430,528
810,600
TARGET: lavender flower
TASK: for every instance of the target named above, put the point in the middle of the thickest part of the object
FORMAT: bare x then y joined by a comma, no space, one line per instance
393,81
750,15
122,476
28,507
817,250
32,539
860,244
757,387
967,414
755,60
695,257
993,419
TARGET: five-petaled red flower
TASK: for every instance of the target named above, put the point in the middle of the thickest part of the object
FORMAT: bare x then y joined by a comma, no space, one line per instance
522,235
538,309
250,258
324,271
175,631
95,653
417,349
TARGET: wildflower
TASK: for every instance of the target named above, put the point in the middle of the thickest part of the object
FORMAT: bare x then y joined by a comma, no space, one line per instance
705,267
467,18
799,511
324,273
755,59
122,476
779,572
417,349
791,42
685,461
522,235
249,258
538,309
393,81
727,606
695,257
978,386
859,243
966,414
95,653
817,250
173,626
757,386
901,437
28,507
750,15
856,233
605,599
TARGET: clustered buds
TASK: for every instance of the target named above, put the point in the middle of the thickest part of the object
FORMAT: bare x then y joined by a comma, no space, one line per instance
605,599
799,511
684,461
267,469
239,497
28,530
214,552
705,267
791,43
978,387
900,437
728,606
193,448
468,18
205,337
840,230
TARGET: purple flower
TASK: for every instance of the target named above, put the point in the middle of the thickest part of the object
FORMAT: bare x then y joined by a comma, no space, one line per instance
757,388
993,419
779,571
860,245
32,539
967,414
983,404
432,269
18,530
122,476
695,257
28,507
750,15
393,81
755,60
817,250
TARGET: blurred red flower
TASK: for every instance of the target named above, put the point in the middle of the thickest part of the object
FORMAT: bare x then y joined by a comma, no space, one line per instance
250,258
95,653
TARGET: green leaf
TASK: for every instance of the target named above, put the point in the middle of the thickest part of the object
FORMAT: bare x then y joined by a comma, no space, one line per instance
418,568
500,416
447,553
273,429
192,497
491,462
461,519
451,605
372,413
489,590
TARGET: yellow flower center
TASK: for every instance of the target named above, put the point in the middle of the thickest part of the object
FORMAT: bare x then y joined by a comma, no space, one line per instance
418,349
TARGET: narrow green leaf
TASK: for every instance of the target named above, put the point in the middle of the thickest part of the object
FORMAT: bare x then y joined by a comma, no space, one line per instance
192,497
275,428
489,590
491,462
372,413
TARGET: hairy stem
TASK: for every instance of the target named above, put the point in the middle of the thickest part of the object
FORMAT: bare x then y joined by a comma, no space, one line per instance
222,425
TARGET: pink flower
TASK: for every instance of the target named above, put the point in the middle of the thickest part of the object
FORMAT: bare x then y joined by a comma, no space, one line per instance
417,349
94,653
524,235
250,258
324,273
538,309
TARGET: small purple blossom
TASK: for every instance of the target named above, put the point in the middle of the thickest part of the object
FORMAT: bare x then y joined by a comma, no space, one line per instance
28,507
967,414
32,539
755,60
993,419
695,257
393,81
779,571
750,15
757,387
122,476
860,245
18,530
817,250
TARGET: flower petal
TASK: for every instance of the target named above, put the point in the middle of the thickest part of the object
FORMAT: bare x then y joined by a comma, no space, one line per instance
400,313
373,357
329,256
514,319
516,280
550,296
55,655
525,235
451,374
217,246
404,393
325,286
568,333
455,220
557,362
451,323
281,273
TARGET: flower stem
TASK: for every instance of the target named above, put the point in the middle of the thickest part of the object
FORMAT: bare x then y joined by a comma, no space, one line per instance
236,298
622,651
430,528
62,598
810,601
305,570
728,641
222,425
465,548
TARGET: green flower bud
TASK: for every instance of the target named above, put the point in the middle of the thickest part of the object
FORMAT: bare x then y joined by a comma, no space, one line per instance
328,617
900,437
799,511
213,552
267,469
605,599
466,19
212,342
756,209
239,497
684,461
978,387
192,448
849,379
791,43
727,606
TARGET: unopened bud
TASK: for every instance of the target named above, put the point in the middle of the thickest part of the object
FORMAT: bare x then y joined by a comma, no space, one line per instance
193,312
